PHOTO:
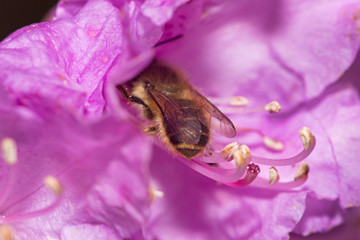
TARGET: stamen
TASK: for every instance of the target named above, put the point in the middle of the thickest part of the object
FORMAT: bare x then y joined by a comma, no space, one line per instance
8,149
273,144
306,137
225,171
9,154
269,142
273,107
229,150
222,160
6,232
242,156
300,179
222,172
252,171
53,184
273,176
303,171
237,101
263,183
309,142
155,193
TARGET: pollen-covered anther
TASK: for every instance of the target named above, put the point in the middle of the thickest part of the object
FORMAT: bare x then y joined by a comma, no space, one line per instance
242,156
155,193
302,172
273,144
273,107
53,184
9,154
306,137
6,232
239,101
9,150
273,176
229,150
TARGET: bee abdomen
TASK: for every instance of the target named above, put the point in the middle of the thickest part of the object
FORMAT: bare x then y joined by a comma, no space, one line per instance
192,139
188,150
188,133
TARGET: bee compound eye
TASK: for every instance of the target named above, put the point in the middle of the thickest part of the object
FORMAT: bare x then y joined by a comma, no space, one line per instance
147,86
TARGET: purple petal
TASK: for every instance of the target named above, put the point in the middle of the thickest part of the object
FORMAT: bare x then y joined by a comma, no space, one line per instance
160,11
349,230
242,46
339,115
302,46
66,59
186,17
86,159
88,231
319,216
66,8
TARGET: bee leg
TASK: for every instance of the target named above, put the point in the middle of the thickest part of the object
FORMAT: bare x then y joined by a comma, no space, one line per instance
129,97
147,112
151,130
123,90
208,151
213,164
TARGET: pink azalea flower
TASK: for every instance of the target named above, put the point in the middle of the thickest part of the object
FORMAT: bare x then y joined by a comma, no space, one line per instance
61,111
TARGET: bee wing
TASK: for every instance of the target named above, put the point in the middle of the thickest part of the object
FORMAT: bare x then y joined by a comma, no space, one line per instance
220,123
175,117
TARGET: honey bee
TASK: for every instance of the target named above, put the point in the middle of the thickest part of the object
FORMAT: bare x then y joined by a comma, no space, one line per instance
182,117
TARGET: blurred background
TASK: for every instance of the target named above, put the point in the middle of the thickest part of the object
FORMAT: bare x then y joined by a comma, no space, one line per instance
19,13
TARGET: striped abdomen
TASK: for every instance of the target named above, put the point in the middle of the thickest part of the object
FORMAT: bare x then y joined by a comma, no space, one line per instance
187,131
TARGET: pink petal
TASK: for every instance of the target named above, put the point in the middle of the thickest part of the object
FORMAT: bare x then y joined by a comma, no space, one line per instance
67,59
85,158
264,52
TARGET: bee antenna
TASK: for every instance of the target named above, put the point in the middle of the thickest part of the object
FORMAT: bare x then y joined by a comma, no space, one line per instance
168,40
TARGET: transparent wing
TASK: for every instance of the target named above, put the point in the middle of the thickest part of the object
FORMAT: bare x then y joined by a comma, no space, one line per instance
178,119
175,116
220,123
